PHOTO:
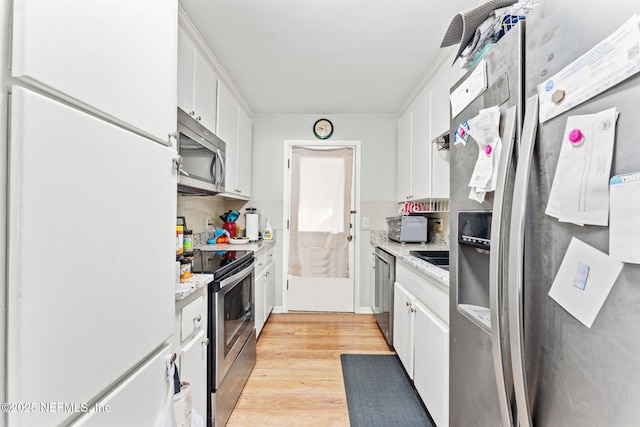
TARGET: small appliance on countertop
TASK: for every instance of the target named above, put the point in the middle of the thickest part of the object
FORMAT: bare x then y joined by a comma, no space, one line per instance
408,228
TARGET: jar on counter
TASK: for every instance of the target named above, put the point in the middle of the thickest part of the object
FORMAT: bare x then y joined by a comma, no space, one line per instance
185,270
179,239
187,243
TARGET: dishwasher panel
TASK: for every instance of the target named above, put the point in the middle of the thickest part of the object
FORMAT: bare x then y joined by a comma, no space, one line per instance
385,275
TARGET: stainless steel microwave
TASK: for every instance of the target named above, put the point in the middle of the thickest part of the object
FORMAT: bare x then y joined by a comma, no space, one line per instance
202,154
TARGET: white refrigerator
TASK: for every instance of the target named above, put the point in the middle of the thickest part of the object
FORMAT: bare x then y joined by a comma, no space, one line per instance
91,211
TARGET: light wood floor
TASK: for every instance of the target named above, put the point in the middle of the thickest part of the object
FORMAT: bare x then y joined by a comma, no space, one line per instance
297,379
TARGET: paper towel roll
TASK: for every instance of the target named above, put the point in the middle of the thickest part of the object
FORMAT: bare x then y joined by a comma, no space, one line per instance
253,225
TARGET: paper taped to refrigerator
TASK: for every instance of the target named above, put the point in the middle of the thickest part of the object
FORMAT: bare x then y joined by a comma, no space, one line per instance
584,280
624,229
580,190
613,60
484,129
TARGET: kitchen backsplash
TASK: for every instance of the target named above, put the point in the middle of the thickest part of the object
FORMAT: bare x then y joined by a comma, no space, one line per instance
196,210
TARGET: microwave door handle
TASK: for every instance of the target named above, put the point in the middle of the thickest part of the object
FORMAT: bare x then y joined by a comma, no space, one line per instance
213,168
222,169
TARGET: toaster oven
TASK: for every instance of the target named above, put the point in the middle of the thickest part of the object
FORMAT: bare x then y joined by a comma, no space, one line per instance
408,228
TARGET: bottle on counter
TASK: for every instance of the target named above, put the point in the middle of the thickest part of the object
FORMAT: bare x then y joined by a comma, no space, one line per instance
267,233
187,243
179,239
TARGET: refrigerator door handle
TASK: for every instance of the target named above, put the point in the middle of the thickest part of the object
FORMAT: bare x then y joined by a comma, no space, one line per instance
516,261
495,269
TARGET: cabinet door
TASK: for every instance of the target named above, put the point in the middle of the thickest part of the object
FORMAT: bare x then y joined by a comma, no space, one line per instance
117,57
205,92
403,189
420,148
186,71
440,173
271,290
259,301
193,369
119,312
228,132
141,397
403,319
431,371
245,136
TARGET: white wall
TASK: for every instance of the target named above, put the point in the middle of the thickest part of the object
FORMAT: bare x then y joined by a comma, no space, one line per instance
377,134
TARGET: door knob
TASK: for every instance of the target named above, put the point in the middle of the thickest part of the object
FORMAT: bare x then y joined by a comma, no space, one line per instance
349,237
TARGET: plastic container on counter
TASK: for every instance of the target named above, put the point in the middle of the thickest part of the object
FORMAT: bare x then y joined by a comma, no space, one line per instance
187,242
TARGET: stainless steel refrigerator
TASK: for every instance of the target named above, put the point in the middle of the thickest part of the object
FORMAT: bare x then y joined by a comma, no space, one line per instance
516,356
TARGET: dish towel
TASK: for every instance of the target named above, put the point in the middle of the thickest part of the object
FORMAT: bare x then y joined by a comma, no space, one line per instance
463,26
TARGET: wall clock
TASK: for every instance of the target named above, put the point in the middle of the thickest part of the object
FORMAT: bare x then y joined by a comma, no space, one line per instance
323,129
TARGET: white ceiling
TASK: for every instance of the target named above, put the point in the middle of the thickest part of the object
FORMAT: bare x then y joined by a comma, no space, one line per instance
329,56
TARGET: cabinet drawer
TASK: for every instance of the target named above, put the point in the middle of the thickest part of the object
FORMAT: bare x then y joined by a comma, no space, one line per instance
192,317
428,293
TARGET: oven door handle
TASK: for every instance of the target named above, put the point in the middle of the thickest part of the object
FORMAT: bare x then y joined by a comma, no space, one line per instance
236,278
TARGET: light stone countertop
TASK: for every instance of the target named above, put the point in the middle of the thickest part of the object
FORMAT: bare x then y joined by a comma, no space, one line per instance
401,252
196,282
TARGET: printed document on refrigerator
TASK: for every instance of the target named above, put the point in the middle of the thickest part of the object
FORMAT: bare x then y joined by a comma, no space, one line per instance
484,129
580,189
624,230
613,60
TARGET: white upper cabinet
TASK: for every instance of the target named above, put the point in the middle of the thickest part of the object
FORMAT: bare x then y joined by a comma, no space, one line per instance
227,116
197,82
403,182
440,105
423,168
235,127
186,71
420,149
243,165
228,132
113,57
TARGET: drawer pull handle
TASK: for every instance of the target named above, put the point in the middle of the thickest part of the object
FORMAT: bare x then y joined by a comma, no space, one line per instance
197,318
205,341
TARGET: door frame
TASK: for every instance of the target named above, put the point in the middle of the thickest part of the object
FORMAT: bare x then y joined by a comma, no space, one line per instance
286,196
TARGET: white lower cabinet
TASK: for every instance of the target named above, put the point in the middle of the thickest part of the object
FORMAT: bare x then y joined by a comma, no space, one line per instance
421,337
193,369
403,326
260,295
431,366
264,288
270,297
190,344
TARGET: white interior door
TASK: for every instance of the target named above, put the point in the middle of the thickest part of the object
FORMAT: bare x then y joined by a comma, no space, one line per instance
321,258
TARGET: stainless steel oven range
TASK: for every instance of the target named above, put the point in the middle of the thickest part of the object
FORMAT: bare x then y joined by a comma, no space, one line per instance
232,352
